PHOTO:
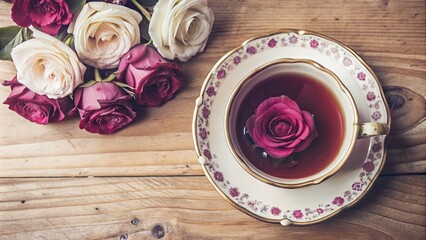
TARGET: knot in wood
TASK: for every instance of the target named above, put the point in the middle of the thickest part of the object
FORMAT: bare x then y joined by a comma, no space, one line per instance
158,231
134,221
124,236
395,101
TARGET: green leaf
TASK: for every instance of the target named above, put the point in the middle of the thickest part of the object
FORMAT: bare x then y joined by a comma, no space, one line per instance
75,5
62,34
147,3
89,84
11,37
7,34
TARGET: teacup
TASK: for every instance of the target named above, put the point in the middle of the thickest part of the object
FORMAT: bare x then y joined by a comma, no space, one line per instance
318,91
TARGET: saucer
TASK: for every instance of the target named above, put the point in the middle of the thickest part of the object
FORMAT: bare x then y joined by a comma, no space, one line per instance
270,203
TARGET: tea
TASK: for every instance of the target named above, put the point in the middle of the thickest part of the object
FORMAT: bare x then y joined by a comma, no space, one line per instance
312,96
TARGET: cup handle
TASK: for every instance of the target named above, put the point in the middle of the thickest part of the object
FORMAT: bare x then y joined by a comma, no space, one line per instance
372,129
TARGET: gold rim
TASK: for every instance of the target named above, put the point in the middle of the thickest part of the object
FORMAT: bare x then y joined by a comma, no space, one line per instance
199,101
342,160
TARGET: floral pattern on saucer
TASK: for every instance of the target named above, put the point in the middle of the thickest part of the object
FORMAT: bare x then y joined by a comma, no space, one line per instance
366,82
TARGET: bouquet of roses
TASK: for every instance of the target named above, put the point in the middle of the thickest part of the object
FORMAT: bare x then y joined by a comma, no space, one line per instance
96,58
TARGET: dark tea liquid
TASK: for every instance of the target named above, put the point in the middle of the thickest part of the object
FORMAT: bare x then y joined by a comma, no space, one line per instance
311,96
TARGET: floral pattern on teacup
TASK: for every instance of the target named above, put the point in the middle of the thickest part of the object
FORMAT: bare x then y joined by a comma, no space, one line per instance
366,82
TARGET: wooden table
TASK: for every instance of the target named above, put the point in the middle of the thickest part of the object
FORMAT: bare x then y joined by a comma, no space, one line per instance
60,182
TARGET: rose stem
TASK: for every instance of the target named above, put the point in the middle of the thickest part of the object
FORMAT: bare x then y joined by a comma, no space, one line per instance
110,77
142,9
97,75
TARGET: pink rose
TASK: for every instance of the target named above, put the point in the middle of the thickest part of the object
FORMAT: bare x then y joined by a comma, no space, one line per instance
297,214
339,201
49,15
275,211
154,80
280,127
34,107
104,107
234,192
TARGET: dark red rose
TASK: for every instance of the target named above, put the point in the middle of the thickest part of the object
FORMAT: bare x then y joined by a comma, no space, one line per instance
154,80
218,176
34,107
49,15
368,166
280,127
339,201
275,211
298,214
234,192
103,107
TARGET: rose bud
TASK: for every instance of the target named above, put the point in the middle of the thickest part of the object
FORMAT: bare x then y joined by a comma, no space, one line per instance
280,127
49,15
34,107
103,107
153,79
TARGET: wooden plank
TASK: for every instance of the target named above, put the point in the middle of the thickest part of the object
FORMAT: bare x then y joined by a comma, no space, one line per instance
189,208
390,35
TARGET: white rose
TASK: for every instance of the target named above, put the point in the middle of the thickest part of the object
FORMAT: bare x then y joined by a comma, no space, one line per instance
104,32
47,66
180,28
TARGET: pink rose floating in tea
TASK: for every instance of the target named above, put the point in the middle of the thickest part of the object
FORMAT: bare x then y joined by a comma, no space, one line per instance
280,127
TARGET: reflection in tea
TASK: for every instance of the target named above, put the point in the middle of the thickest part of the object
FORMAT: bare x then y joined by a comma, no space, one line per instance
311,96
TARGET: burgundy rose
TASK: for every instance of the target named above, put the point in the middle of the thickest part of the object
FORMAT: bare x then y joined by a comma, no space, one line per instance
104,107
203,133
237,60
376,147
275,211
218,176
314,43
234,192
221,74
34,107
207,154
319,210
210,91
272,43
280,127
357,186
251,50
297,214
49,15
361,76
154,80
206,112
368,166
371,96
338,201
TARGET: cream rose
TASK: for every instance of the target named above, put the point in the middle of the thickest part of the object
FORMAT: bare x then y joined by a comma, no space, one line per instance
180,28
104,32
47,66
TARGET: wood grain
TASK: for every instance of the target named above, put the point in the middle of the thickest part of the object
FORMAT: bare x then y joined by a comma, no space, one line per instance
171,199
390,35
189,208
